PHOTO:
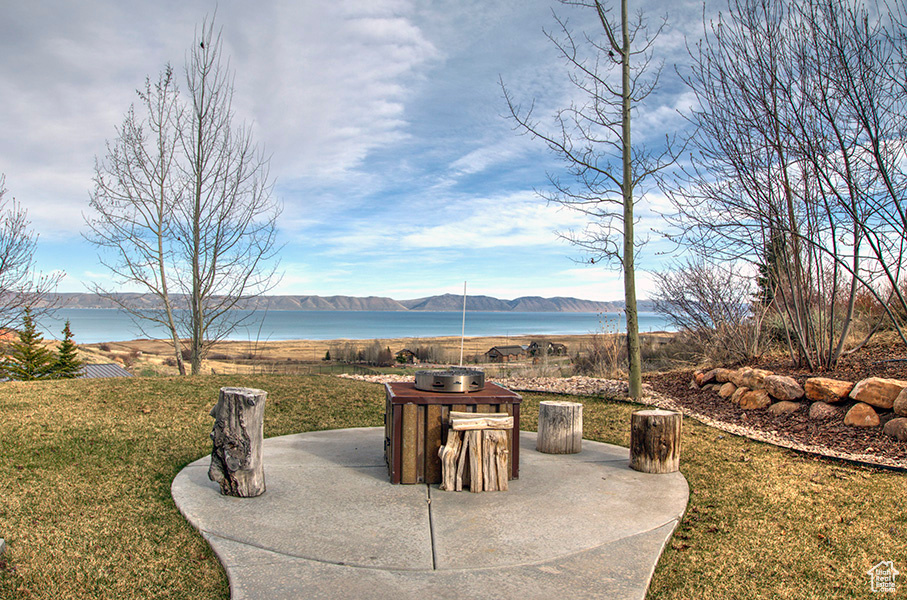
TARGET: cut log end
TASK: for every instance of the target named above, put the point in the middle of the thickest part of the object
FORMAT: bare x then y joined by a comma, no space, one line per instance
237,438
655,441
560,427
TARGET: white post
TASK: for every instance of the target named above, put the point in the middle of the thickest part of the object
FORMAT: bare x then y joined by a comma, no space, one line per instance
463,330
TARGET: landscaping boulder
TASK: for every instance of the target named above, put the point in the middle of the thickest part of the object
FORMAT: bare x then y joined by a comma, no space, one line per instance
821,411
738,394
896,428
703,378
722,375
823,389
784,407
755,399
861,415
782,387
727,390
878,391
749,377
900,404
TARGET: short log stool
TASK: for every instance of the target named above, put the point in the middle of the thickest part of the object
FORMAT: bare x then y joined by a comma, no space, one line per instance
655,441
237,439
560,427
481,441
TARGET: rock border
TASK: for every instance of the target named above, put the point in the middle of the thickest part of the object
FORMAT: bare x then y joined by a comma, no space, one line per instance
614,390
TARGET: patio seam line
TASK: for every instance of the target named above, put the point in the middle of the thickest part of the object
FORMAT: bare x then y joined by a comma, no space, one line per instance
675,520
561,557
431,531
308,558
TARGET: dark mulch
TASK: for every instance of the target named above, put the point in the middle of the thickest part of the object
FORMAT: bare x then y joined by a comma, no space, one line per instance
878,360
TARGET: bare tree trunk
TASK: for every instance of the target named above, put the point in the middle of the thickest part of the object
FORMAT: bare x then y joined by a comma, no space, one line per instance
634,371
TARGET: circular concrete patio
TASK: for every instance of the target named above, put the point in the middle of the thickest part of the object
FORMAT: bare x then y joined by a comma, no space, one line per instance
332,526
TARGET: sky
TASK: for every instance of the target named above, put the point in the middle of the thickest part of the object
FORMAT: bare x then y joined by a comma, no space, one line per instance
384,121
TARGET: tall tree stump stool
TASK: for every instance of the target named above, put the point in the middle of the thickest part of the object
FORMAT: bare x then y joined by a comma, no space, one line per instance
237,439
560,427
655,441
476,453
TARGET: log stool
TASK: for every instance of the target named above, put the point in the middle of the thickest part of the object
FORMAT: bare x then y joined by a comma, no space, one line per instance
481,441
655,441
560,427
237,439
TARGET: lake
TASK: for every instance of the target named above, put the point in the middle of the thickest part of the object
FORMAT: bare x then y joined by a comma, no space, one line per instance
110,325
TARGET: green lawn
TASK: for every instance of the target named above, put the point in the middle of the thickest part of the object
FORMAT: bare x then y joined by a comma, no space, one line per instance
86,511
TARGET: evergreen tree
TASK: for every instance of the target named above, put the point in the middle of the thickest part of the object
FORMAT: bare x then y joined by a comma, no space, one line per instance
28,359
67,363
772,263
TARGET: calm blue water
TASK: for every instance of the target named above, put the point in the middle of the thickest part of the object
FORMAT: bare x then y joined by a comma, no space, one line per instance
109,325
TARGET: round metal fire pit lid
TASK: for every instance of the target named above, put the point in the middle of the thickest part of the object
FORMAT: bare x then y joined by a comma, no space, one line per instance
450,380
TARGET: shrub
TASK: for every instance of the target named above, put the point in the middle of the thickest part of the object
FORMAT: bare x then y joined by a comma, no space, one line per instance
713,308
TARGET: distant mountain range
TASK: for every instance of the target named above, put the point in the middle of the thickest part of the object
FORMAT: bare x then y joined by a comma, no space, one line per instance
445,302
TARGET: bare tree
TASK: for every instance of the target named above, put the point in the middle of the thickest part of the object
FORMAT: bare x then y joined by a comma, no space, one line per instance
183,207
20,286
227,222
711,306
594,140
136,191
795,121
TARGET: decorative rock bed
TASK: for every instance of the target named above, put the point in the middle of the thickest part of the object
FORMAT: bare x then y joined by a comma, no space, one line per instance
871,402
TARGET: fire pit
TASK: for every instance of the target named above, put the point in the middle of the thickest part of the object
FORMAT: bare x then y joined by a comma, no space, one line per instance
417,419
450,380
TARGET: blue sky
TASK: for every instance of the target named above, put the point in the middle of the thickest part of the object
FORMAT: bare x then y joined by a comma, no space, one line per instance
398,174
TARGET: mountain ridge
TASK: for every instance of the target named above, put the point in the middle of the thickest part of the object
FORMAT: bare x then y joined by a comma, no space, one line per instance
438,303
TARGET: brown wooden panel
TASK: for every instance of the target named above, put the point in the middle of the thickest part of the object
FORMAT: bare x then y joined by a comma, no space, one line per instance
396,440
508,408
515,446
420,444
388,431
432,443
408,449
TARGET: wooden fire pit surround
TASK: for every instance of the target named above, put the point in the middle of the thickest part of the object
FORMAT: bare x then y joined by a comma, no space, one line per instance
417,423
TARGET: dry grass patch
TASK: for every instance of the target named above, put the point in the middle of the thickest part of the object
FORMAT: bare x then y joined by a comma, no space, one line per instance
86,472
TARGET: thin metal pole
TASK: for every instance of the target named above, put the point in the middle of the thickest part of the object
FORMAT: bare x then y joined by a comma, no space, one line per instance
463,331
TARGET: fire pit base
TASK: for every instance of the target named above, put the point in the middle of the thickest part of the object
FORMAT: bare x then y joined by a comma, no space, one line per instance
416,424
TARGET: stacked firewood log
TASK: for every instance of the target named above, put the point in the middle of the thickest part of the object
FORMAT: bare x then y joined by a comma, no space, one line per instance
476,453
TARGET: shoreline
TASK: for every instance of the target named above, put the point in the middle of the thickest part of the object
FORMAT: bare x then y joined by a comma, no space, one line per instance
224,354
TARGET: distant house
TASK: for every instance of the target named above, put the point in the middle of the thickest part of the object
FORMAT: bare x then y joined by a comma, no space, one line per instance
505,353
544,347
103,371
406,356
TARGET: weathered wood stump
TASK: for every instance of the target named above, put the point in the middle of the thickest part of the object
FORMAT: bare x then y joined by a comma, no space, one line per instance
476,453
560,427
237,438
655,441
